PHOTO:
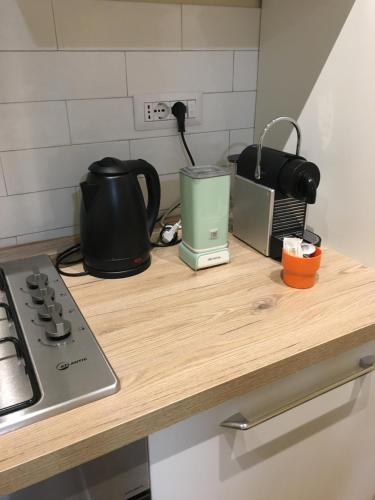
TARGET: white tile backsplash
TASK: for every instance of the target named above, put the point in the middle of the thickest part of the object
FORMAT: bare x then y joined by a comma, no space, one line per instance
61,75
226,111
42,169
245,70
35,212
3,191
33,125
150,72
168,155
207,27
67,101
240,139
96,120
8,242
170,190
47,235
110,24
26,25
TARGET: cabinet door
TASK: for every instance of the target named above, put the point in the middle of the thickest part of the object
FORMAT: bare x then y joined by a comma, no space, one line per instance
323,449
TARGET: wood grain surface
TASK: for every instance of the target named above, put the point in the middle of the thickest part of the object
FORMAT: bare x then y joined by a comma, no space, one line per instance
230,3
182,341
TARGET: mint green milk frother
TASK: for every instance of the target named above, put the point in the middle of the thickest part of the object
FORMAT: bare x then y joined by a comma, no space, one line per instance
205,192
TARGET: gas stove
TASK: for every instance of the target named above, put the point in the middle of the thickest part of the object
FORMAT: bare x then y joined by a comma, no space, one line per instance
50,361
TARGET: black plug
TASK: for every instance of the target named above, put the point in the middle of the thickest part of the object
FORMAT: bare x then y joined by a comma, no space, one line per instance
179,111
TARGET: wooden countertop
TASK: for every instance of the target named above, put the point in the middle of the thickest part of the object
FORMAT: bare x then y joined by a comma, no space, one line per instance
182,342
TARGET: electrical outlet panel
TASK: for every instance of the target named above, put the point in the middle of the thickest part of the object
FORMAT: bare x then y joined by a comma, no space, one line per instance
155,111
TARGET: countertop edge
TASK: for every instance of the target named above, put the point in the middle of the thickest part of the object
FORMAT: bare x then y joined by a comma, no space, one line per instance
111,439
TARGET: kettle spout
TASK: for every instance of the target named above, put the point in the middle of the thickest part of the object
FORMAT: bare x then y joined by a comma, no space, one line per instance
88,193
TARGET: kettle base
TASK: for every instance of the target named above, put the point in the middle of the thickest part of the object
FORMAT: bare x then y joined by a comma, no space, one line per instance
122,273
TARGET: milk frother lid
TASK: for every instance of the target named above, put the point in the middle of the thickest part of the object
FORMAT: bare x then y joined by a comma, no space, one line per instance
204,171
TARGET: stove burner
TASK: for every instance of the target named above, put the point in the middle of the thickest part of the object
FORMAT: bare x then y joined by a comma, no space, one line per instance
19,387
6,307
16,344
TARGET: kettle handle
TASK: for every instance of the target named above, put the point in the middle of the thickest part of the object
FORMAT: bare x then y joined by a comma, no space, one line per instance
153,190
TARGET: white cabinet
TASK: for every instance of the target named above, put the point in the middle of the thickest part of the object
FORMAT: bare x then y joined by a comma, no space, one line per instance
119,475
323,449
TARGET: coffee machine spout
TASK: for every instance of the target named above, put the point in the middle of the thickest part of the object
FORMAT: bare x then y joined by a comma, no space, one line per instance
308,187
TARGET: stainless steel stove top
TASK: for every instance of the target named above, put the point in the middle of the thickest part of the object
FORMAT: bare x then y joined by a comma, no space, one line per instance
50,361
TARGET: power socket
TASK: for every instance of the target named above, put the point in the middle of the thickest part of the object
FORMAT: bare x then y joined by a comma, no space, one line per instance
156,111
153,112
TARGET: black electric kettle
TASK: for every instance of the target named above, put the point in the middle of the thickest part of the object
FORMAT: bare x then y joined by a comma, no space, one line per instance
115,223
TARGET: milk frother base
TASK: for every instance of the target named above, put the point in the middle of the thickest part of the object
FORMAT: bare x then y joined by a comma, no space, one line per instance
201,260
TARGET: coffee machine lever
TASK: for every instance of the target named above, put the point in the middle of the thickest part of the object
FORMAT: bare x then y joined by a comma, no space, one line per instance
271,193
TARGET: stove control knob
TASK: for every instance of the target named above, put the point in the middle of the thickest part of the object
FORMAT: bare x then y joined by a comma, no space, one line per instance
57,328
49,307
37,279
39,295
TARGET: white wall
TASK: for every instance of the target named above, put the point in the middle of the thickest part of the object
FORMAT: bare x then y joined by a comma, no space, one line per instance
296,39
338,134
68,71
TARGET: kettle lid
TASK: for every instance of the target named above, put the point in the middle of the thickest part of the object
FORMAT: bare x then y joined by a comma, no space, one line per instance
113,166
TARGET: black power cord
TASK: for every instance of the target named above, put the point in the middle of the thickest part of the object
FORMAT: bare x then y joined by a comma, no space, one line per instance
61,260
179,111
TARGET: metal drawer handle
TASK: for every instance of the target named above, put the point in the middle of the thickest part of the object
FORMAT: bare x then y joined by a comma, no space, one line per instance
241,423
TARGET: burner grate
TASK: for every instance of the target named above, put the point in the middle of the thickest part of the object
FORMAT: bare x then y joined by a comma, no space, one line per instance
18,384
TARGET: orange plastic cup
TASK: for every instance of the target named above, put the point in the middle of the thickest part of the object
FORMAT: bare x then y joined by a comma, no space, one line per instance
300,272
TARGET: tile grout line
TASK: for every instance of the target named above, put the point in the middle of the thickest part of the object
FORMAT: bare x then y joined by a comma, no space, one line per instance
233,71
45,231
257,78
126,75
256,84
75,186
2,173
68,123
54,23
135,51
119,140
14,238
62,99
67,99
181,28
61,188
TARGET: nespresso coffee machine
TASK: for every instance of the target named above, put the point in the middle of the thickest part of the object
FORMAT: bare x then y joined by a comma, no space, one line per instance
271,192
